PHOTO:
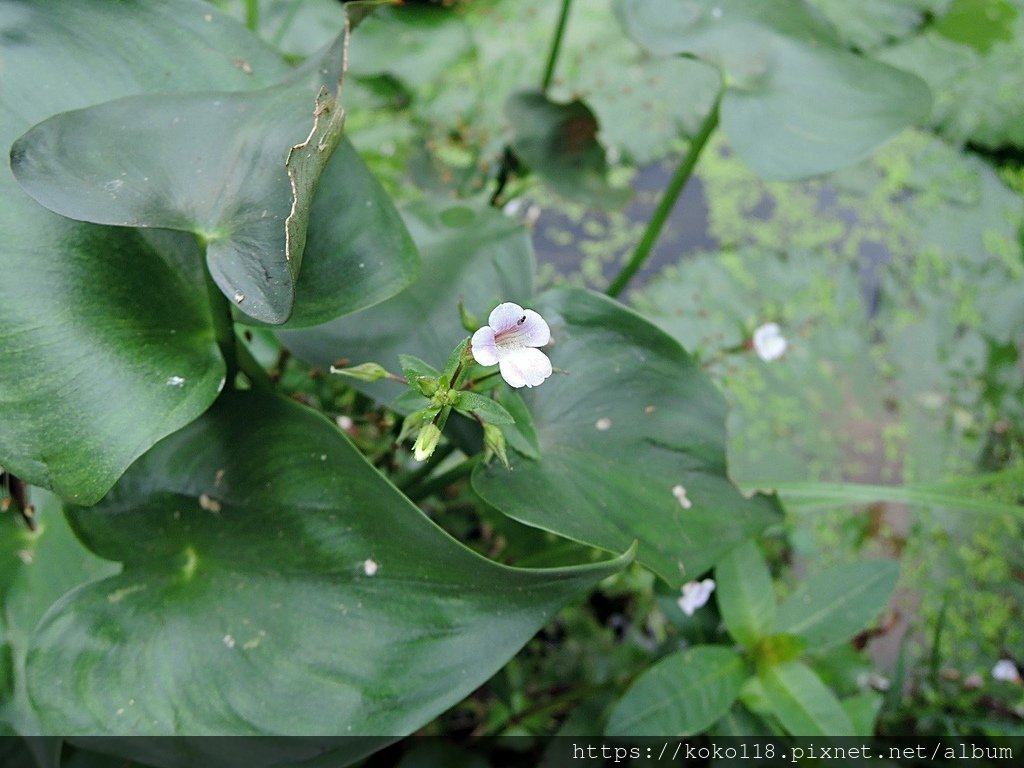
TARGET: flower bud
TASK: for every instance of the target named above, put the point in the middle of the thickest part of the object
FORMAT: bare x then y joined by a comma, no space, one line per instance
494,445
427,385
469,320
426,442
363,372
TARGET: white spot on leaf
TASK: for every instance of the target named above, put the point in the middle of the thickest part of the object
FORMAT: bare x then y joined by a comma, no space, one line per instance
680,493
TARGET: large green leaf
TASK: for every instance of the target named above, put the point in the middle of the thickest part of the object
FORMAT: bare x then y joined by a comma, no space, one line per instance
796,102
267,563
470,253
979,94
629,418
870,23
681,695
802,703
745,595
100,360
239,169
835,605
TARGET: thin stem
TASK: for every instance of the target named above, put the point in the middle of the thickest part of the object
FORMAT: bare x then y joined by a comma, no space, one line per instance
223,324
667,203
252,14
412,478
442,481
253,371
556,46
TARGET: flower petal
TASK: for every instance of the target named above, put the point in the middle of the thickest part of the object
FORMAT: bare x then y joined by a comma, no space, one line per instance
485,352
769,343
534,331
505,316
526,367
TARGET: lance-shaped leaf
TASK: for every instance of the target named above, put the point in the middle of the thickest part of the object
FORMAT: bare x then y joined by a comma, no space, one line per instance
681,695
238,169
275,583
796,103
632,445
838,603
559,143
802,702
105,338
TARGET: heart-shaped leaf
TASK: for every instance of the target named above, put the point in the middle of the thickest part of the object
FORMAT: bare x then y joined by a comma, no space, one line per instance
559,143
632,444
267,563
473,254
237,168
796,103
681,695
106,345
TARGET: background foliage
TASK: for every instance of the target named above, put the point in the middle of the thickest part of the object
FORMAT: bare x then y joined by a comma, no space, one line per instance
209,205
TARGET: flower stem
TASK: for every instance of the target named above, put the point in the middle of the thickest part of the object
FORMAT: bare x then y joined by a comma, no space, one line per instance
252,14
437,484
247,364
667,203
223,324
556,46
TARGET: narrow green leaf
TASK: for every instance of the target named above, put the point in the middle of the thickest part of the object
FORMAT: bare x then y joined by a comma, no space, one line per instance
632,445
968,496
745,595
681,695
838,603
265,563
802,703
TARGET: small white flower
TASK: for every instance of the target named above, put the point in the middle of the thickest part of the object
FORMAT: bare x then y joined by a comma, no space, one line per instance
370,567
509,340
695,595
769,343
1006,671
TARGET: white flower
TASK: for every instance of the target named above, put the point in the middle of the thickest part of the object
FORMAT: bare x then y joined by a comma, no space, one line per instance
695,595
509,340
1006,671
769,343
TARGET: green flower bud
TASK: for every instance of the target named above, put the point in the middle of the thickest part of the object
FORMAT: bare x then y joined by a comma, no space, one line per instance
494,445
426,442
427,385
469,321
363,372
